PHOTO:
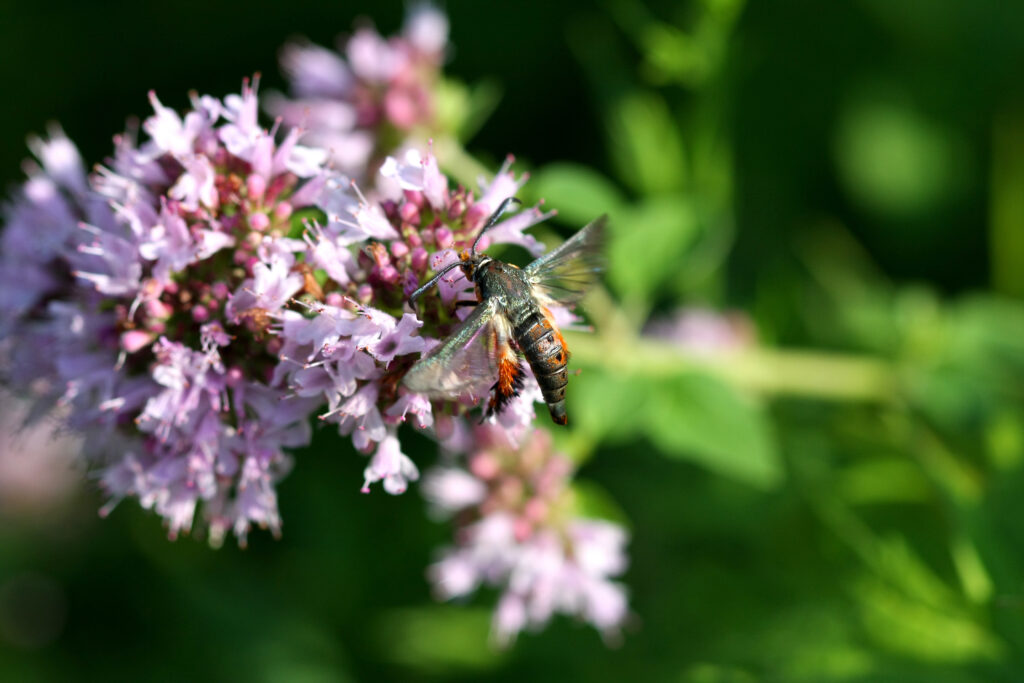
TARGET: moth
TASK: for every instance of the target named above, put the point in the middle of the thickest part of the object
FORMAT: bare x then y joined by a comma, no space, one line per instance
511,321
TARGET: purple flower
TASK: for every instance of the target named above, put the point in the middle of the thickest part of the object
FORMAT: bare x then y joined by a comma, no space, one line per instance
390,466
158,344
705,331
419,173
190,337
373,90
521,536
426,29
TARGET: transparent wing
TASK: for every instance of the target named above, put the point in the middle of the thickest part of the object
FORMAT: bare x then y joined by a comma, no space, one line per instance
461,365
566,272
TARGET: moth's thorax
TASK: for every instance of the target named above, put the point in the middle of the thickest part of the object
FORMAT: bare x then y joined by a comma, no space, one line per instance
506,283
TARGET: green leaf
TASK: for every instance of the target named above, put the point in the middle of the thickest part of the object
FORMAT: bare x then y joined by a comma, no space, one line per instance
645,143
580,194
591,501
697,417
437,639
464,110
689,416
297,221
648,243
894,161
606,406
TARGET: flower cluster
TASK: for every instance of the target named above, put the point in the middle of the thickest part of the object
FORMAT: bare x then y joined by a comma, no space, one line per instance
366,99
144,306
193,302
178,302
350,348
518,530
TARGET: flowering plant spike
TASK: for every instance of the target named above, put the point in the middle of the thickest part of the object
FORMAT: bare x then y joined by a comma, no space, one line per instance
217,287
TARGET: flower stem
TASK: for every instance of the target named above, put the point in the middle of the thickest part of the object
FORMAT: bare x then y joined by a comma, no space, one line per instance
618,346
458,163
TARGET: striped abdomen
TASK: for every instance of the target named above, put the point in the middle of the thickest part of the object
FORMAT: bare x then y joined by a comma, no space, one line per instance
546,352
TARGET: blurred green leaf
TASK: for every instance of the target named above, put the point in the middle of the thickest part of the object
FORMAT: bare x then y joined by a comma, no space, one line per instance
1004,438
716,673
914,628
648,243
579,193
606,405
895,161
297,221
690,416
1007,202
645,144
883,480
592,501
464,109
698,417
974,576
437,639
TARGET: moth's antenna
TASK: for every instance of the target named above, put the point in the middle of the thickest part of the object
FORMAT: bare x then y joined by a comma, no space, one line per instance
502,208
433,281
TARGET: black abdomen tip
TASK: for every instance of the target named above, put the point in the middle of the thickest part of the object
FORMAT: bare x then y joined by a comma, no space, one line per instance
558,414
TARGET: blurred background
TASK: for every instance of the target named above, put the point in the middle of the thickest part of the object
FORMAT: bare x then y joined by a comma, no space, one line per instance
805,395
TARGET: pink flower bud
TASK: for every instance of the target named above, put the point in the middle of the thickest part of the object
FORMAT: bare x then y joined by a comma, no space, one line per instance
418,260
475,214
388,274
259,221
235,376
365,293
522,529
416,197
220,290
200,313
158,309
399,249
485,466
334,299
400,108
535,510
256,185
283,211
410,213
456,208
134,340
444,238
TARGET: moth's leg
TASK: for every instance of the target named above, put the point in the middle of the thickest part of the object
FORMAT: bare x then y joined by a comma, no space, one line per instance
466,302
510,369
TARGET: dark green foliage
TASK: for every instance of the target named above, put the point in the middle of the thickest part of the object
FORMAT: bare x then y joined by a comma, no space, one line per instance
842,501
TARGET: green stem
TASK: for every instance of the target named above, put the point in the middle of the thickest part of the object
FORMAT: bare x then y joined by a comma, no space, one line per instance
458,163
771,372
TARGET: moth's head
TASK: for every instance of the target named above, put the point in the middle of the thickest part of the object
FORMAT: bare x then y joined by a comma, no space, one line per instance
469,260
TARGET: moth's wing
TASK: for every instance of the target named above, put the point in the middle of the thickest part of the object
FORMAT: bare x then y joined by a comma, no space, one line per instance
463,364
566,272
